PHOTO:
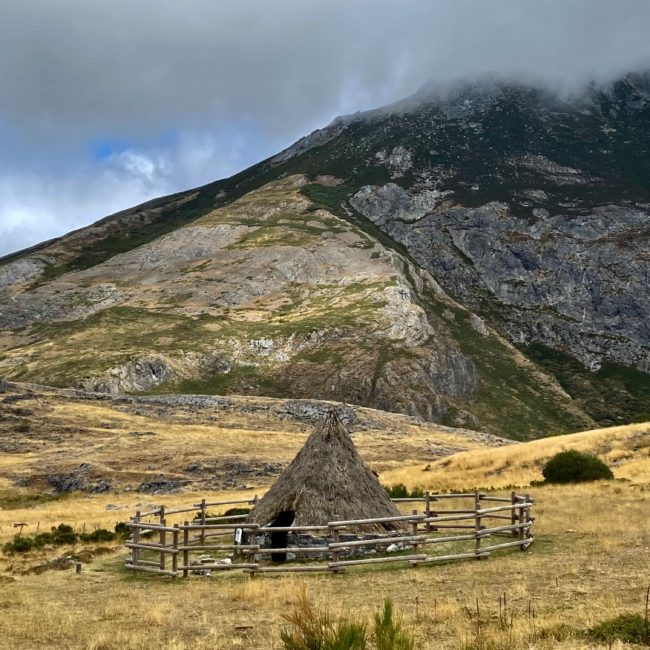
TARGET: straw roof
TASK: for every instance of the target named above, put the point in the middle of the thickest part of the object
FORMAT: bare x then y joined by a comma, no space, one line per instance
327,481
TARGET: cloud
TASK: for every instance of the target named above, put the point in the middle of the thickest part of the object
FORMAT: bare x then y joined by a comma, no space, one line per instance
194,90
42,201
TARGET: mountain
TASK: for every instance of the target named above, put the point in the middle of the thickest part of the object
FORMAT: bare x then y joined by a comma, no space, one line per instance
476,256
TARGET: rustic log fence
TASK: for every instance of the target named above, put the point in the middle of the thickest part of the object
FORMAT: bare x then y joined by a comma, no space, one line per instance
158,546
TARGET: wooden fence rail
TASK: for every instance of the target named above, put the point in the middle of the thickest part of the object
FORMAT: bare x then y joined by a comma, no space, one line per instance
169,548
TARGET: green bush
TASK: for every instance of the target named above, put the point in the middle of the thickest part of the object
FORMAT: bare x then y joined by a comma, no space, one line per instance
575,467
62,535
231,512
99,535
19,545
400,491
122,530
388,631
315,630
629,628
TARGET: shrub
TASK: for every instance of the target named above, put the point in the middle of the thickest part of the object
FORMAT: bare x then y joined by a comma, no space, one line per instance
231,512
629,628
400,491
316,630
388,631
62,535
19,545
575,467
121,529
99,535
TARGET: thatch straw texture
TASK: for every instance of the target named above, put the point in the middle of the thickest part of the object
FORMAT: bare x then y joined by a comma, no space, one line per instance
327,481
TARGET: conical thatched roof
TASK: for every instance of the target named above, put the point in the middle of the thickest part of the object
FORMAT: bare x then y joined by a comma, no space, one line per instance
326,481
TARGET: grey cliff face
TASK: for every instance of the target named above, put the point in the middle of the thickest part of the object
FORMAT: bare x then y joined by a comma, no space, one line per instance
580,284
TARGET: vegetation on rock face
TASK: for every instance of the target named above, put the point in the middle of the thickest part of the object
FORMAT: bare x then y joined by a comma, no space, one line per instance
613,394
573,466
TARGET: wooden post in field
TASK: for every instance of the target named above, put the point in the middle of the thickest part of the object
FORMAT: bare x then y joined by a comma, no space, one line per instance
161,515
163,522
203,521
186,553
335,539
513,514
522,521
527,519
175,547
414,532
135,552
427,509
432,513
477,523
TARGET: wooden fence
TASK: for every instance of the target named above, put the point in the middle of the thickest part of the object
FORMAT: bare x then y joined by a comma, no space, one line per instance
465,525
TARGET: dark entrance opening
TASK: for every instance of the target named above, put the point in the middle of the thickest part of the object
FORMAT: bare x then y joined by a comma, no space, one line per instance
279,539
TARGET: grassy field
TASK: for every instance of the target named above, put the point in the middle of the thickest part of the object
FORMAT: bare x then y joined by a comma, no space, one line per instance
590,560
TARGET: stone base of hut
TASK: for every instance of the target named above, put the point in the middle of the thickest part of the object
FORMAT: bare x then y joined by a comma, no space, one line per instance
297,541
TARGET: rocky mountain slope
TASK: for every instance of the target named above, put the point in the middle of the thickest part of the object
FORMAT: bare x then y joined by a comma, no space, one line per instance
477,257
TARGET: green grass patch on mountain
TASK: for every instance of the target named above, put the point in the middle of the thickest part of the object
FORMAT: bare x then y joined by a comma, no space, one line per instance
511,398
612,395
63,352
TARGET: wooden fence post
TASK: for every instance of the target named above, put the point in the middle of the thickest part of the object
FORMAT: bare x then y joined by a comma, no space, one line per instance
513,514
527,518
477,524
135,552
522,521
161,515
186,553
203,513
175,547
336,539
163,522
414,532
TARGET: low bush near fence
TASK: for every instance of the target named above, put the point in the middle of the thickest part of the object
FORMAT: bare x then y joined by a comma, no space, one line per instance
63,535
233,513
400,491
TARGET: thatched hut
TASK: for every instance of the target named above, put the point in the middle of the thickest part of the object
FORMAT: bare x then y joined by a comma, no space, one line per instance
327,481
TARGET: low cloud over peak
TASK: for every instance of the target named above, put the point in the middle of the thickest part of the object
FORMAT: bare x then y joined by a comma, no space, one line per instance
235,81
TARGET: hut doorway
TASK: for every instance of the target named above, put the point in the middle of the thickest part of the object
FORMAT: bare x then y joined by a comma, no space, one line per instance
279,539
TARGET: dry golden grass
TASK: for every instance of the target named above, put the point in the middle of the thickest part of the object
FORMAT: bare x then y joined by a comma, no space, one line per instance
129,443
626,449
589,562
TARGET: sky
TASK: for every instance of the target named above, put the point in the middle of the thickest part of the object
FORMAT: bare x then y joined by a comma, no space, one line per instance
104,105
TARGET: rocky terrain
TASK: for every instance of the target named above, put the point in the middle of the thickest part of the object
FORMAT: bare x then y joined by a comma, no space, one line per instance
58,441
478,257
